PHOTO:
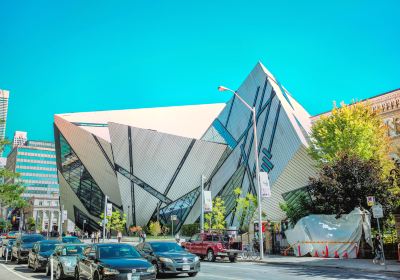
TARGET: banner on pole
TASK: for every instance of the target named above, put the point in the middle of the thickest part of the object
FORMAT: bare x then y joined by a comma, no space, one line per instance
207,201
265,187
370,200
109,209
64,215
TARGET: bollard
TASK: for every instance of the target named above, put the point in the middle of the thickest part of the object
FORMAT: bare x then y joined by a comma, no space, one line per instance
6,255
51,268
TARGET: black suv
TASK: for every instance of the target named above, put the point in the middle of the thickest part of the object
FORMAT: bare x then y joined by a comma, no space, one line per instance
23,244
113,261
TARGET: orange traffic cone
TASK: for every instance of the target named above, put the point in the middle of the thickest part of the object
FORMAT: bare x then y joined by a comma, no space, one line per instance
326,251
345,255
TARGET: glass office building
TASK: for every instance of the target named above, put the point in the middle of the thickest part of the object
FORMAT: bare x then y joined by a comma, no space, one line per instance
36,163
149,162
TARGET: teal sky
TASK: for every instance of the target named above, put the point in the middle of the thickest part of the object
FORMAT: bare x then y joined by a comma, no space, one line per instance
73,55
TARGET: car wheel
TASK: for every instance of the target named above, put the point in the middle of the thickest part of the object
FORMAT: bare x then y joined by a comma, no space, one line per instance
155,265
59,272
232,259
29,263
48,270
96,276
192,274
210,255
77,276
17,260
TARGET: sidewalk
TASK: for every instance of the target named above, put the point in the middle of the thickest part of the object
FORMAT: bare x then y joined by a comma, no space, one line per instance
393,267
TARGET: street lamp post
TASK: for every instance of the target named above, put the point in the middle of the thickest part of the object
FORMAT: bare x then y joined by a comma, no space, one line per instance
253,111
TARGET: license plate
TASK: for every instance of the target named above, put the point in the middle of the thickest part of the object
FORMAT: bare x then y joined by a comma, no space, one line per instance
133,277
186,267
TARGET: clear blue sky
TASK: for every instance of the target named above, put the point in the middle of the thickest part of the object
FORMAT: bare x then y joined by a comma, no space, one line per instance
74,55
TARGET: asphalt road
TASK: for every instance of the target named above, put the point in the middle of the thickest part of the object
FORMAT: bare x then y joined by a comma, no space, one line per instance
227,271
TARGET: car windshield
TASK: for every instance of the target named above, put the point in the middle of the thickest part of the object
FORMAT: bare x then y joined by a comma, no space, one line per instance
117,251
44,247
72,250
166,247
11,241
31,238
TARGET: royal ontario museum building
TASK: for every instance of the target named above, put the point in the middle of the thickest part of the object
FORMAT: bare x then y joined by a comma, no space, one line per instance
149,162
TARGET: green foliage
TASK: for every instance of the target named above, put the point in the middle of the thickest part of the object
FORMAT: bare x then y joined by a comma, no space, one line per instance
155,228
190,229
353,130
245,208
296,209
216,219
115,221
30,224
345,184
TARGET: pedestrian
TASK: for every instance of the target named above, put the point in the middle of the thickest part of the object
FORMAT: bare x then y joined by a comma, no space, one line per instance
144,236
177,238
119,236
92,236
140,236
378,250
97,236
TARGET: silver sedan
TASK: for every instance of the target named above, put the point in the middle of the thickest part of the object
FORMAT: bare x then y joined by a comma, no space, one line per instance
64,260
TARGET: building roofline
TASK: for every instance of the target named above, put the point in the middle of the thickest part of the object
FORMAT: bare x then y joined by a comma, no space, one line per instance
362,100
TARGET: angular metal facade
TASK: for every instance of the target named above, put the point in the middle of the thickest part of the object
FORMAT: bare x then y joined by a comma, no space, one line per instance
156,172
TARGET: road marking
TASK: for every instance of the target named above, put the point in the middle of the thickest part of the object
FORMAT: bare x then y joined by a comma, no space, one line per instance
13,272
241,267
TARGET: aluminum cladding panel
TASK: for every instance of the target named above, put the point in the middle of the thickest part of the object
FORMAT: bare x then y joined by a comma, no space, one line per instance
201,160
86,148
156,156
120,144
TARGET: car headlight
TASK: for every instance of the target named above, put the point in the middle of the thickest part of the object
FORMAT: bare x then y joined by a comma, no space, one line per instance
166,260
196,259
110,271
151,269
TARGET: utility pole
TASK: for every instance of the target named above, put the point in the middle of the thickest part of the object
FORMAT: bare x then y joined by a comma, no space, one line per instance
105,218
202,205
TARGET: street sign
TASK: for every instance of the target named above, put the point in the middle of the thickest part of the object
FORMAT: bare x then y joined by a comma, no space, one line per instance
84,221
377,211
265,187
109,209
207,201
371,200
174,217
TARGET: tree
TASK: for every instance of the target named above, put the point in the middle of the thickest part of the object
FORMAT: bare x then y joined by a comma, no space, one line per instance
245,208
216,219
115,221
344,184
353,130
31,224
296,208
155,228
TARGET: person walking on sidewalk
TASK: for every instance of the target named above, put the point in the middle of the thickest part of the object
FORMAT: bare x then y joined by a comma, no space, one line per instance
119,236
378,250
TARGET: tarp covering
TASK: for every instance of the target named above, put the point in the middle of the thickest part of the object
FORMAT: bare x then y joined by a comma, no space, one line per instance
326,236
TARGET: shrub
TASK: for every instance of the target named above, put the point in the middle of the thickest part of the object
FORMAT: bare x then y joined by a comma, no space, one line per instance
190,229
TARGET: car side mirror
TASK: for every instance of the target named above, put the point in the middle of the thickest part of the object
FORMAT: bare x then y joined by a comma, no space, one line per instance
91,257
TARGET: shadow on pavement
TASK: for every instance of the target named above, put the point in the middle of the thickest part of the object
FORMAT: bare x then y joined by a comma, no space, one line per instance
331,272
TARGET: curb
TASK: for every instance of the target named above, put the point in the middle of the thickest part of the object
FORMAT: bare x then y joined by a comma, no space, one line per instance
391,272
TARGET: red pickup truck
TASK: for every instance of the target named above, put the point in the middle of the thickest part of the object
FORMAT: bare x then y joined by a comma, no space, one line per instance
211,246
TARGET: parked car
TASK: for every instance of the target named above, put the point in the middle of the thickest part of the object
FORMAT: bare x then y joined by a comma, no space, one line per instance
65,259
23,244
7,247
169,258
71,239
113,261
12,234
39,254
211,246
